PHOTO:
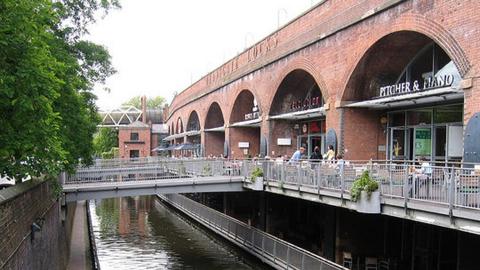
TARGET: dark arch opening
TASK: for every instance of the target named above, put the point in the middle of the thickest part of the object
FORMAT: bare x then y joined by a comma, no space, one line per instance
214,117
193,122
387,61
403,94
244,105
214,139
179,128
298,91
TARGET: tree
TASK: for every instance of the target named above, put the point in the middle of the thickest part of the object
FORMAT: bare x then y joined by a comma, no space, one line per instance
104,140
152,102
47,72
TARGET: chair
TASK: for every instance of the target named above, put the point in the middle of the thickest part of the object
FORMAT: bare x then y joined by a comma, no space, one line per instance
347,260
371,263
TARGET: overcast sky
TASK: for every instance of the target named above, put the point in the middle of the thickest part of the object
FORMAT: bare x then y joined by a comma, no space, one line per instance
159,47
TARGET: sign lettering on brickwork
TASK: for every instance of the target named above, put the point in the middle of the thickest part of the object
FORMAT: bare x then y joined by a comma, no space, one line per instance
408,87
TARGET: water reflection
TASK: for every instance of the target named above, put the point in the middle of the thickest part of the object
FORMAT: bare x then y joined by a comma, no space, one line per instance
141,233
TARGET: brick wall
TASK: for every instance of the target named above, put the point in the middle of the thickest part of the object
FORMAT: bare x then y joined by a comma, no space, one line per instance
20,206
341,44
143,145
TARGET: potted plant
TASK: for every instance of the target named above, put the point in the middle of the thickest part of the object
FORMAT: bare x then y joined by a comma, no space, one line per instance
256,178
207,170
365,193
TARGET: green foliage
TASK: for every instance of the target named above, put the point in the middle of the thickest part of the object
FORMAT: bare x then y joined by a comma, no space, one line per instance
257,172
48,112
104,140
363,183
207,169
113,153
55,187
152,103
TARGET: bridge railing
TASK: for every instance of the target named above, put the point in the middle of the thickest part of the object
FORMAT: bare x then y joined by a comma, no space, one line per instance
451,184
147,170
276,251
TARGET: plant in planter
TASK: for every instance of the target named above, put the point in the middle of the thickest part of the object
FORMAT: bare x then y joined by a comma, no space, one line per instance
207,170
182,170
365,192
257,172
256,177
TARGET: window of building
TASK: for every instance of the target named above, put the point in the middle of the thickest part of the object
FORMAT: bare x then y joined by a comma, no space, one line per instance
134,153
134,136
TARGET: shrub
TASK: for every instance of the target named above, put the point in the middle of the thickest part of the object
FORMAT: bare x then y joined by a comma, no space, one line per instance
257,172
363,183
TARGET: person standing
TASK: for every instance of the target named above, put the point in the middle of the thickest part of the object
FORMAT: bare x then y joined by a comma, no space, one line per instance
330,155
297,155
316,153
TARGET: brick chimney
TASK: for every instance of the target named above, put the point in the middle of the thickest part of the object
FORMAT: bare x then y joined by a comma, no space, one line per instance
143,100
165,113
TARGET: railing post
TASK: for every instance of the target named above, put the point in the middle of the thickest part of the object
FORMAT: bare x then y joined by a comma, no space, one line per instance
405,187
263,245
274,250
342,181
288,256
299,175
452,190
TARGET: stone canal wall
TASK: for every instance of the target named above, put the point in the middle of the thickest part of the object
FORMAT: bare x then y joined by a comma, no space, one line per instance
21,248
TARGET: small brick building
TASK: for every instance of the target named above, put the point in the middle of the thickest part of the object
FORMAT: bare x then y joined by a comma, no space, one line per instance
376,79
142,138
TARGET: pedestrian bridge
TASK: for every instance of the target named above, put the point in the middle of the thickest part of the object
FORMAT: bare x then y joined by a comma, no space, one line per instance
120,178
446,195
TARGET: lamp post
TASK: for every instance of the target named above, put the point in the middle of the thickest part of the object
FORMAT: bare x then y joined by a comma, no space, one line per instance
278,15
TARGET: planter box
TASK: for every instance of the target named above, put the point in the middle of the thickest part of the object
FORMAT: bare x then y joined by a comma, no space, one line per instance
369,205
257,185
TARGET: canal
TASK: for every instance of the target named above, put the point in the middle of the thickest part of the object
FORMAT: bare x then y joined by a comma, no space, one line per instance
142,233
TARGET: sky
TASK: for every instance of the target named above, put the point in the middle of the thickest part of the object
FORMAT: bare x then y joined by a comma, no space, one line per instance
161,47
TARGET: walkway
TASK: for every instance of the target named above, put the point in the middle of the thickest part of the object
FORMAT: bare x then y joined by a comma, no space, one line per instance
79,244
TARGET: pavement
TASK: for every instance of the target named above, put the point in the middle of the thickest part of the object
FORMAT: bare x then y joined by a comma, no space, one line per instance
79,244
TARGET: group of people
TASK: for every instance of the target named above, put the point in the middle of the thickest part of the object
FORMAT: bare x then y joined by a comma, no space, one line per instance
316,154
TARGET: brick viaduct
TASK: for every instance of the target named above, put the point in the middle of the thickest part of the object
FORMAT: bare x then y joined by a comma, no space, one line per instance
341,44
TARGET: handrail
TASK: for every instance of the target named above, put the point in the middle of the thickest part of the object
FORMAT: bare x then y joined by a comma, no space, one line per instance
259,243
454,184
91,239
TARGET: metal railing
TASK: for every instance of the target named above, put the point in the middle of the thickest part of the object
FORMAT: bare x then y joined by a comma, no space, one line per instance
271,249
146,170
449,184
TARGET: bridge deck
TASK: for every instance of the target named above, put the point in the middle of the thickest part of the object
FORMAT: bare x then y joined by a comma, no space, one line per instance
87,191
447,196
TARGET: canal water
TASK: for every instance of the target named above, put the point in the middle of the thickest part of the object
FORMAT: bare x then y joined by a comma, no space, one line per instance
142,233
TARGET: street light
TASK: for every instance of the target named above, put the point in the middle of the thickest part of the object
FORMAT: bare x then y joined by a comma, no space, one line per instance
278,15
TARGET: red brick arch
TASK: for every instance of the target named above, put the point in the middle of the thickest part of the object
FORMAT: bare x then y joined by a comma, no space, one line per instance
298,63
204,120
181,128
414,23
190,116
234,90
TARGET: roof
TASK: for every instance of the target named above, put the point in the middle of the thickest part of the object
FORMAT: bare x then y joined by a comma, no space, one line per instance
160,128
136,124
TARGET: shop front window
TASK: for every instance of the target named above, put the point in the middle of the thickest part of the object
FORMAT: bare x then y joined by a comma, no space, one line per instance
448,114
397,119
423,142
398,144
419,117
